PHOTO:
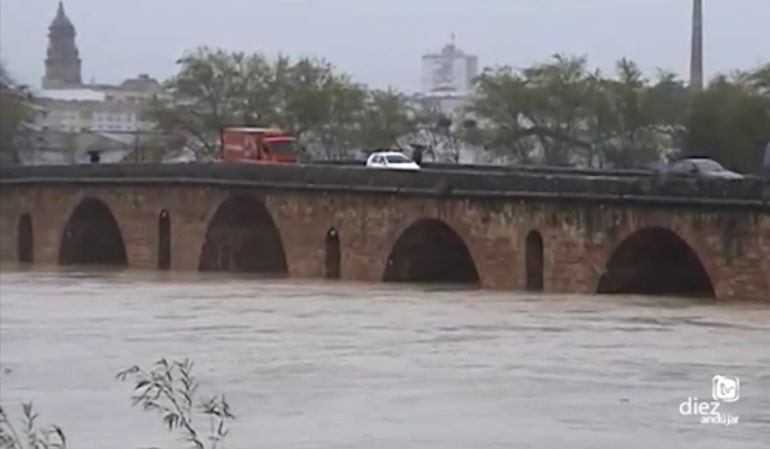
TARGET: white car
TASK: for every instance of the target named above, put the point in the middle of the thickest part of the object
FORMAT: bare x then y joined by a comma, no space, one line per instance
391,160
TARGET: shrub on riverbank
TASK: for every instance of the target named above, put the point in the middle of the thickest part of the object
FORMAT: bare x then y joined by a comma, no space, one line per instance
167,388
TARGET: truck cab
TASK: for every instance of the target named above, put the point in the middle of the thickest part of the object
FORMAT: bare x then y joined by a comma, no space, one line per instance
265,145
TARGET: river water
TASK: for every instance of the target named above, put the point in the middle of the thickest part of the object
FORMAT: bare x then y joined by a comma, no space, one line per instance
329,365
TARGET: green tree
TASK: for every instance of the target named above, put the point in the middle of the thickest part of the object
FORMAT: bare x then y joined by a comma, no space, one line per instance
322,107
635,123
539,113
309,98
560,112
387,115
435,132
730,120
500,106
557,105
15,114
215,88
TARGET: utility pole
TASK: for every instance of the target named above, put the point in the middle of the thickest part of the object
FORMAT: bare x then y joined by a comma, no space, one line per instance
696,56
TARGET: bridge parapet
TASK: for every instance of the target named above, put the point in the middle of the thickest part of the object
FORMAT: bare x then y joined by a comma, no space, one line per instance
541,169
662,190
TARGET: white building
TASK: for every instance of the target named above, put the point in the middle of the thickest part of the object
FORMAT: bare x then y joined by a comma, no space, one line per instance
93,108
449,71
447,80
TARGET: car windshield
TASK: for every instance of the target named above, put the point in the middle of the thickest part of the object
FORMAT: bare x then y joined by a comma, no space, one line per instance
396,159
287,147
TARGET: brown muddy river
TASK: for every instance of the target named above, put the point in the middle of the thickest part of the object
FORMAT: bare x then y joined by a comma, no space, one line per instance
328,365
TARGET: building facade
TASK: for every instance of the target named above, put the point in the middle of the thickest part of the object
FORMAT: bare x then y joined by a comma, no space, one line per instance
71,106
447,80
96,108
62,65
451,71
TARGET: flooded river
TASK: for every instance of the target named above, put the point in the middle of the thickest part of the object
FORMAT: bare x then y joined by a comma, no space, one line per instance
327,365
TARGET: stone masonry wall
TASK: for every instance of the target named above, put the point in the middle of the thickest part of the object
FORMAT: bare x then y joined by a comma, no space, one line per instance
579,238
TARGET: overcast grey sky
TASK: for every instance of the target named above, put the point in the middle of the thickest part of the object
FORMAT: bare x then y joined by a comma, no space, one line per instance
380,42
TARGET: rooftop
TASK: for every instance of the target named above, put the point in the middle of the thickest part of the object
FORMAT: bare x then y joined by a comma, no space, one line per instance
61,21
71,94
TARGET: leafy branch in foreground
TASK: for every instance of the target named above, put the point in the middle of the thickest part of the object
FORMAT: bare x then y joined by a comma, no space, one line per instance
169,388
35,437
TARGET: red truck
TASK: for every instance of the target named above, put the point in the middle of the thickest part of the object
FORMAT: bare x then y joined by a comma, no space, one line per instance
265,145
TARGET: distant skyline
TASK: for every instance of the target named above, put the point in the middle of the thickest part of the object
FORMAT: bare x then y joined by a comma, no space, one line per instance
380,42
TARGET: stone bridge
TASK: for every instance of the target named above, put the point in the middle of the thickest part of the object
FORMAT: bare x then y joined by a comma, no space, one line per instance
502,229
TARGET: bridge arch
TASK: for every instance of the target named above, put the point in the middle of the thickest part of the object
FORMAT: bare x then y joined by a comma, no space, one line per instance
431,251
242,237
25,241
655,261
92,236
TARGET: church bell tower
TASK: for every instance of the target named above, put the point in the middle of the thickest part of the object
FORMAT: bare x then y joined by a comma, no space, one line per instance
62,65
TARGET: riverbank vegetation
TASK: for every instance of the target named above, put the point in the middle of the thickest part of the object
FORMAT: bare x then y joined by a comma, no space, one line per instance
167,388
15,117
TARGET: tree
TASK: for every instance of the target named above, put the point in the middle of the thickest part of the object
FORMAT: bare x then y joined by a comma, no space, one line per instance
757,81
539,113
387,115
322,107
635,123
557,107
730,120
215,88
561,113
309,98
434,132
15,115
499,104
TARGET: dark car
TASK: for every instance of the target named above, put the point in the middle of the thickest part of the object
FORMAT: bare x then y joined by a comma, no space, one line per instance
702,167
